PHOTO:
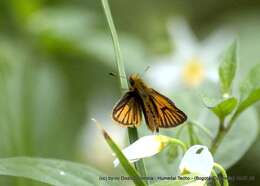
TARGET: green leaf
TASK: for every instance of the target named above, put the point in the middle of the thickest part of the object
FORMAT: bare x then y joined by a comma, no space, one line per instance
250,89
225,107
53,172
123,160
221,108
227,68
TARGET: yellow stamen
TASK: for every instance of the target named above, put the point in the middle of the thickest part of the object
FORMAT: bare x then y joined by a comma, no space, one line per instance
162,140
193,72
185,171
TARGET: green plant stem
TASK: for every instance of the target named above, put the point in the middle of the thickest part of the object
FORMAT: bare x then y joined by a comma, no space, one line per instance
178,134
191,138
203,129
215,177
222,132
179,142
133,136
217,141
220,135
223,172
132,132
119,58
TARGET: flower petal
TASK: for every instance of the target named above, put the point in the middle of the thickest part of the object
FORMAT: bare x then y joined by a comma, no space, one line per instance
182,36
144,147
197,160
163,74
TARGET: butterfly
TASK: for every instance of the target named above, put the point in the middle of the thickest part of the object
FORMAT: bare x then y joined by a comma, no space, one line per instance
158,110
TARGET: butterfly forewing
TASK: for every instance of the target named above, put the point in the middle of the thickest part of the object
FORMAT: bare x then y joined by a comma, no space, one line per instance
159,111
168,114
128,111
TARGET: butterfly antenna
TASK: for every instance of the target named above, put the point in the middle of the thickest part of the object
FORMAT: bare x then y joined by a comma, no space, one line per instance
116,75
145,70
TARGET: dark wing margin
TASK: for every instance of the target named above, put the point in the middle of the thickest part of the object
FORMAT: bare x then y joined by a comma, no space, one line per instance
169,115
127,112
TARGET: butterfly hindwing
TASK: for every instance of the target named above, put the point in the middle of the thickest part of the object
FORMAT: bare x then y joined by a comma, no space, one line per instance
128,111
168,114
159,111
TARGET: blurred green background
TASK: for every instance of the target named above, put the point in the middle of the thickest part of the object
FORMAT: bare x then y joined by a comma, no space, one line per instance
55,57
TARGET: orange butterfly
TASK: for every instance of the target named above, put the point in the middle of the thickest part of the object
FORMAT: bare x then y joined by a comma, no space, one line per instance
159,111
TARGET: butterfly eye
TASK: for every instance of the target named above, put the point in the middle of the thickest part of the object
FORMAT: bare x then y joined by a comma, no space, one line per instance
131,81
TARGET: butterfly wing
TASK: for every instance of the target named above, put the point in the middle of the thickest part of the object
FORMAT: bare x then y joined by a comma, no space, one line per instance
128,112
168,114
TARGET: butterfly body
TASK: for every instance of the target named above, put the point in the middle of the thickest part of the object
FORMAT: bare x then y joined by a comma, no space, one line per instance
159,111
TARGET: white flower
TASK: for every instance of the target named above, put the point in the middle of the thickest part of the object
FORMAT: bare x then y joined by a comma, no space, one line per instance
146,146
197,160
192,61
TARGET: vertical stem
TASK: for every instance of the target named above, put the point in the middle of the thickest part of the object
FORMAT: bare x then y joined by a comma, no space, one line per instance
191,137
222,132
132,132
133,136
119,58
218,139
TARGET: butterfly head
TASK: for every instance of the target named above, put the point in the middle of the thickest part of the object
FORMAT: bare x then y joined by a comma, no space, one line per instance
135,80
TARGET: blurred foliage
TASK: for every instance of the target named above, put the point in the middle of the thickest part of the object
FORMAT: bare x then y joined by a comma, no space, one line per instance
53,172
55,57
